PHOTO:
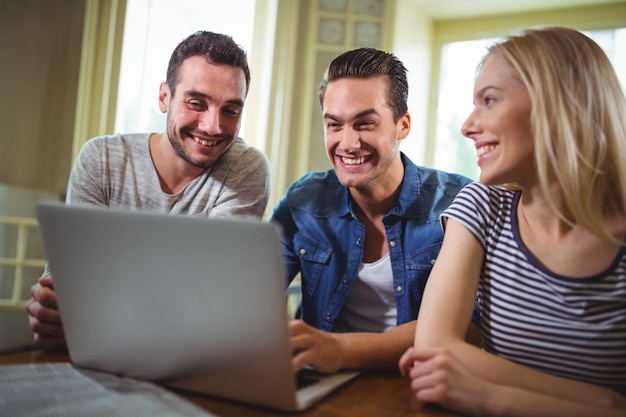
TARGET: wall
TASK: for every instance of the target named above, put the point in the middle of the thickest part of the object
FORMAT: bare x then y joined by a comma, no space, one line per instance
412,41
40,44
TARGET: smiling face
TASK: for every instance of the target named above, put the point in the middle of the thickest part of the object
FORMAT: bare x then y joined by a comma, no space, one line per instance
204,113
362,140
500,124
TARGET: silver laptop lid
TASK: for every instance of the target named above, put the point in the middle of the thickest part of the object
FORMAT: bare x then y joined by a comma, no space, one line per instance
192,302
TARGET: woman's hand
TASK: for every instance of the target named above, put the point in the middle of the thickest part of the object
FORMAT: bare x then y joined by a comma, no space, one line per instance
437,376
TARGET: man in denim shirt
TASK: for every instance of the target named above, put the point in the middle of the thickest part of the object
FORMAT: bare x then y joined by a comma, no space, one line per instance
364,235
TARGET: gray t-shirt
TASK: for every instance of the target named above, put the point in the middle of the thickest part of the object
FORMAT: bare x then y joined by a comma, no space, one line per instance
117,171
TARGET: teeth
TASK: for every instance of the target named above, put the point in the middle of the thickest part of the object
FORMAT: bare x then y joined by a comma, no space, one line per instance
353,161
205,142
485,149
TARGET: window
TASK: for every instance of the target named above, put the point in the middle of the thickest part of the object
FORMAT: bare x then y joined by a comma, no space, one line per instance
152,30
453,151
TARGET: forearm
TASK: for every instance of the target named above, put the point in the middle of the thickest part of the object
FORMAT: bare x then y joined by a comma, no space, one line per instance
512,402
507,373
374,351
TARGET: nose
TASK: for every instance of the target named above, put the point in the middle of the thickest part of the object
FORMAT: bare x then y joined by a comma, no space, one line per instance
209,121
470,127
350,140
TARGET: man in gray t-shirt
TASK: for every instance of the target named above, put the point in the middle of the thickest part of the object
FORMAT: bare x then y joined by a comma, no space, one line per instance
198,166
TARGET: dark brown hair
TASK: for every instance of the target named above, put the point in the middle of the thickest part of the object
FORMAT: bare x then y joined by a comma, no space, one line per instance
370,62
214,47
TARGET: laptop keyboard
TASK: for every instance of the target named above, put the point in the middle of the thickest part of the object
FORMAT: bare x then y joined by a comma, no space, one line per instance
306,377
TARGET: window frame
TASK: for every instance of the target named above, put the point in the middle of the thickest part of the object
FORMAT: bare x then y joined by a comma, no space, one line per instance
588,18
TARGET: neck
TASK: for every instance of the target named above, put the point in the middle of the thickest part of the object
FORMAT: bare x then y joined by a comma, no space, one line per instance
173,171
535,209
378,197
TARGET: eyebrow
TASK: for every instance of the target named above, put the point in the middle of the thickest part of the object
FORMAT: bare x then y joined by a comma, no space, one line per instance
356,116
487,87
195,93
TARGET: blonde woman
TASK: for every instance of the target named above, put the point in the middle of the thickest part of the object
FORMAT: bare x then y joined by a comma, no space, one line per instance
546,255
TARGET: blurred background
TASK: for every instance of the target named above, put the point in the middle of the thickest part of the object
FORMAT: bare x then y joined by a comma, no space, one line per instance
74,69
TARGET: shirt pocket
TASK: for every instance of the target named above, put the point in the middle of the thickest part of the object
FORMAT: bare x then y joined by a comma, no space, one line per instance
314,258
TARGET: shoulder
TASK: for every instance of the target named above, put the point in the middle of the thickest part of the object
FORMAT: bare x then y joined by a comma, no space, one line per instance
116,143
477,191
313,183
242,153
243,163
492,204
426,192
319,193
479,209
430,178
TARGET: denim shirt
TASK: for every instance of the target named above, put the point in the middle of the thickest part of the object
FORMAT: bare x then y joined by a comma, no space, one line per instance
323,239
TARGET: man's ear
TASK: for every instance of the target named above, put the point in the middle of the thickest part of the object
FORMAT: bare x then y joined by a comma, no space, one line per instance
164,97
404,126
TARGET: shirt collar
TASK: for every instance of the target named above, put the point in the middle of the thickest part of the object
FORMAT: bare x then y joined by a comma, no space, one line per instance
405,204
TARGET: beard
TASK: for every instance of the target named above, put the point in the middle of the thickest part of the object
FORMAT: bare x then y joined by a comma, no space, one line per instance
177,144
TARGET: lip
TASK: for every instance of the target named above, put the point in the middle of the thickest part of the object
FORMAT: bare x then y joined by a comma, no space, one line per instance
484,150
352,161
206,143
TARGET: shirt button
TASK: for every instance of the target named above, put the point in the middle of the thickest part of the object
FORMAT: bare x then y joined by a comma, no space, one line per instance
327,316
346,282
302,251
392,244
432,262
358,241
399,288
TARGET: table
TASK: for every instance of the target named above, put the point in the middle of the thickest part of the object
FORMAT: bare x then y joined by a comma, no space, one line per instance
376,394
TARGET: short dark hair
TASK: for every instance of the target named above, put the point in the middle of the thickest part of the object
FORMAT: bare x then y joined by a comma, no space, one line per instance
216,48
370,62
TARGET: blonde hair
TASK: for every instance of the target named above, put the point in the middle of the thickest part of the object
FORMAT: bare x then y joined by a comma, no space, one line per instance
579,122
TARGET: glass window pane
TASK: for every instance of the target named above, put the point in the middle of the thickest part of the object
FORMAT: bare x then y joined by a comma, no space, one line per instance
453,151
153,29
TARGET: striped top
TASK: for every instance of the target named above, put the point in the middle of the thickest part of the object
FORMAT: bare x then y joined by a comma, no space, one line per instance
570,327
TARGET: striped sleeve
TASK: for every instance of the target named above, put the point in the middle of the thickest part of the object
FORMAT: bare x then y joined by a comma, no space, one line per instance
570,327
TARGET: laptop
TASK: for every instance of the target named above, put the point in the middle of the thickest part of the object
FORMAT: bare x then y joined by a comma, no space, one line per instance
188,302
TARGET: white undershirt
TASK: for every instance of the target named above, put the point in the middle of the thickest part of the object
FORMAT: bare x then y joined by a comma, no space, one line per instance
371,305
